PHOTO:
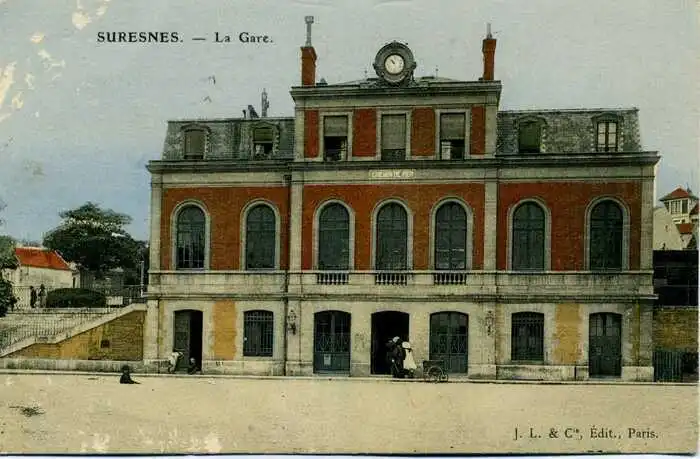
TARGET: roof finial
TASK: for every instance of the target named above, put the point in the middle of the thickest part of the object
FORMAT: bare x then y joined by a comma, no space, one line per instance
488,30
309,20
265,103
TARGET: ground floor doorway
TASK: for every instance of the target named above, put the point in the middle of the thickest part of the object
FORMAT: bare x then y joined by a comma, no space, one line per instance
331,342
605,345
187,337
385,326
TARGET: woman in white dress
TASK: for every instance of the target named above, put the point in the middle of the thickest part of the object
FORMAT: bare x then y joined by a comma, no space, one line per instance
409,364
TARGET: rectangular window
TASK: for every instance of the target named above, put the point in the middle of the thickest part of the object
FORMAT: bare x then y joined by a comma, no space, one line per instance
194,144
262,143
527,336
675,207
452,130
684,206
393,137
335,138
607,136
257,333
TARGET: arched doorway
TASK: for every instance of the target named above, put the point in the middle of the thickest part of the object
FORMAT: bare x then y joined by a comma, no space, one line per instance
449,340
605,344
331,342
187,337
385,326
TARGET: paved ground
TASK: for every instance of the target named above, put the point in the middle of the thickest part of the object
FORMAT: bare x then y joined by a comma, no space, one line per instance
95,414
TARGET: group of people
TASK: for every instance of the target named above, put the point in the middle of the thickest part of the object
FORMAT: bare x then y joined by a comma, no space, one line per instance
37,297
400,357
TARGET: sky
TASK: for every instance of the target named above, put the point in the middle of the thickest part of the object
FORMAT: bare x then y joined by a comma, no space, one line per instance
79,120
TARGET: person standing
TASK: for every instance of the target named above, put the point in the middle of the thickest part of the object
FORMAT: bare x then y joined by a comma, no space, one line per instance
126,376
32,297
42,296
409,364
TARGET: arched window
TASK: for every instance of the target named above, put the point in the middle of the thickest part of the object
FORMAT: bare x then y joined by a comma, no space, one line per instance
528,237
450,237
527,336
190,238
258,333
392,238
606,236
260,238
334,238
195,140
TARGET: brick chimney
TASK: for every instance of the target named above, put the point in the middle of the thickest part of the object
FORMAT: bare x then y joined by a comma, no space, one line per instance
489,50
308,57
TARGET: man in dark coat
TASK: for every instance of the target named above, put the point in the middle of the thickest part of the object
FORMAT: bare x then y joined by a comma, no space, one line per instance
32,296
126,376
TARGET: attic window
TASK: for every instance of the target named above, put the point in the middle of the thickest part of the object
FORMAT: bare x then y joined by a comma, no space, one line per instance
452,129
529,137
262,143
335,138
194,143
607,135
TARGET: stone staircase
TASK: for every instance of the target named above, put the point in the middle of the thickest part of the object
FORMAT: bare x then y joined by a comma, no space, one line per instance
21,329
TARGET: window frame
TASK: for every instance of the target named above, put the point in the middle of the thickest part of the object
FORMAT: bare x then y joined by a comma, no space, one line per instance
468,248
174,217
189,130
589,230
606,119
409,230
322,137
439,134
625,231
317,228
271,143
547,233
380,114
532,124
265,320
244,235
528,319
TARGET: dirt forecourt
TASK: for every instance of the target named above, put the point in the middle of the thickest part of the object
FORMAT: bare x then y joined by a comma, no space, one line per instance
82,413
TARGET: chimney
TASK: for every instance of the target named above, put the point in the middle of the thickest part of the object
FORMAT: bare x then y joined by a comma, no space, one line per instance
489,50
308,57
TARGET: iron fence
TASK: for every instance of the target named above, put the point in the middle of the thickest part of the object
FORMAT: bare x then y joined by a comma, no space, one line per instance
116,296
674,365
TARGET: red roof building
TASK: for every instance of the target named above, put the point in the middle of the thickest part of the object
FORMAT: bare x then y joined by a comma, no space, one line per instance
678,193
40,258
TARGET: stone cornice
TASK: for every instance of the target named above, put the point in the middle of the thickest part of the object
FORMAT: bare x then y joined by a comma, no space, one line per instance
501,161
359,90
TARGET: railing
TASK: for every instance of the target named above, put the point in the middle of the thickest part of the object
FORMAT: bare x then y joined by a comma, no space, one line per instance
450,278
42,324
332,278
392,278
115,296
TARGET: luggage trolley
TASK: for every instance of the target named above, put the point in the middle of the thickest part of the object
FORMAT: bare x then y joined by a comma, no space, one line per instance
434,370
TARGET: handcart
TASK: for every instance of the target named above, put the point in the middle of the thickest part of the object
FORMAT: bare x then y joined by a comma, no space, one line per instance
434,370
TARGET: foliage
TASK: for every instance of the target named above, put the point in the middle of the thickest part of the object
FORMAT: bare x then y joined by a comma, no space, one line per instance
95,239
75,298
7,261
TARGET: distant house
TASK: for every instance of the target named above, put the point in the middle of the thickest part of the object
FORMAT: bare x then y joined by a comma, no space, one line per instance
676,220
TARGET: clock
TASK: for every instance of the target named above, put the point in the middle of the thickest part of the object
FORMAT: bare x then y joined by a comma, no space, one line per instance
394,64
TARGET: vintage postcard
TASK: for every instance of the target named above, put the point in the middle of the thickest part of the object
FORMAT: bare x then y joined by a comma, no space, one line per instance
348,227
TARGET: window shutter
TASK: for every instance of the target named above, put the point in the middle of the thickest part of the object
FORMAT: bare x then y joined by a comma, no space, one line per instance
335,126
393,132
452,126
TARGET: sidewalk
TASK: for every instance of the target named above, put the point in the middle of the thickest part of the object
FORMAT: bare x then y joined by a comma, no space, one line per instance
380,379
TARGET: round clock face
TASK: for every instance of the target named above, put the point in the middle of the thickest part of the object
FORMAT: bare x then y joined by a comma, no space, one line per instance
394,64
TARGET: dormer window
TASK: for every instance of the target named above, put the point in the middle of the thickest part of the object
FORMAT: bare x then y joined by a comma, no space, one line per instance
262,143
607,135
195,140
529,137
452,129
335,138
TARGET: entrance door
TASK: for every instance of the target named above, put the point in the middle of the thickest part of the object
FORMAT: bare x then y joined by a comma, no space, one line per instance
187,337
331,342
449,339
385,326
605,344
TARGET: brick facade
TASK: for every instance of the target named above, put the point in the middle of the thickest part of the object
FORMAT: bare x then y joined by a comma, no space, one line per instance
364,140
423,132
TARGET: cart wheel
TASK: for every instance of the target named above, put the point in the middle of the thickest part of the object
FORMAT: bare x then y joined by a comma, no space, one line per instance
434,374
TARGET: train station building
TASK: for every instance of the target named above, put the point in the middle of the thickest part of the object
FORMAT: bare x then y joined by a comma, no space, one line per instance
509,244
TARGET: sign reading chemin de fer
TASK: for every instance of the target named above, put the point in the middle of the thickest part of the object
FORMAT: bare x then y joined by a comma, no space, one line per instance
392,174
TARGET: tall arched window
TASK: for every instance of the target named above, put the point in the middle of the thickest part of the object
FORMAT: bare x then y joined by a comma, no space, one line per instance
450,237
606,236
528,237
260,238
392,238
334,238
190,238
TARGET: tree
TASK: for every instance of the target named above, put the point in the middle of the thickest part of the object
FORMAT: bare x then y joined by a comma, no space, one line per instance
94,239
7,261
